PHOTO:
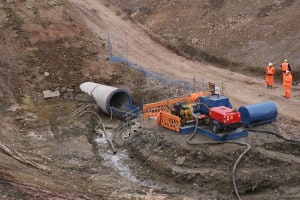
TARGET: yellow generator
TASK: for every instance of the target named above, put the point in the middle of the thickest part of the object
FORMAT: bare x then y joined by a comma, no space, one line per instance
184,111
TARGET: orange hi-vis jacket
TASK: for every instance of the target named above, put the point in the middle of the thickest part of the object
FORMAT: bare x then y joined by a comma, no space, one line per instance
270,70
288,80
284,66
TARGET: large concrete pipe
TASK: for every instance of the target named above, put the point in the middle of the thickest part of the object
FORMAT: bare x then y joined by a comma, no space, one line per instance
258,114
109,99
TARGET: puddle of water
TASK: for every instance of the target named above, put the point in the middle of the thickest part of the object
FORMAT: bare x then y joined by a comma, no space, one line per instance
117,162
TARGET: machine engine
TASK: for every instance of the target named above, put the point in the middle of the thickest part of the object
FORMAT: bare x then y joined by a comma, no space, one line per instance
223,118
185,111
220,118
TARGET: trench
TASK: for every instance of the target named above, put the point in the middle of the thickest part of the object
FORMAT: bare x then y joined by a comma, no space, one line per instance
119,160
208,166
122,164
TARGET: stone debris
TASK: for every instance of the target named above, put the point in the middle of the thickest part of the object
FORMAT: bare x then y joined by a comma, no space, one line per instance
180,160
50,94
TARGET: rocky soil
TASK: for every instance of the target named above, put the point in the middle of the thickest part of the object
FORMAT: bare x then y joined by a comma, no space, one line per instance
50,150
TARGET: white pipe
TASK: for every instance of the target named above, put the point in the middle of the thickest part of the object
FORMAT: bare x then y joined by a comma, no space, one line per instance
107,96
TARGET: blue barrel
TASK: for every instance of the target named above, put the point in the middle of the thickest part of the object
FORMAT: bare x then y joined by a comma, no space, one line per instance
257,114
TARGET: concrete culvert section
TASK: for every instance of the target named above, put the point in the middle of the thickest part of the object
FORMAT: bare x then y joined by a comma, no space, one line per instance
109,99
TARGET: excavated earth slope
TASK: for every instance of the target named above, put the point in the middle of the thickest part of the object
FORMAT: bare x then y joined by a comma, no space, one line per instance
242,36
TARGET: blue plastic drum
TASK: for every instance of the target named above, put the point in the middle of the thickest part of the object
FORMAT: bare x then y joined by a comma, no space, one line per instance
257,114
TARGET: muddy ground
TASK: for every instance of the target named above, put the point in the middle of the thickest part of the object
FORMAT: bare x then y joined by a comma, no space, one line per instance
50,152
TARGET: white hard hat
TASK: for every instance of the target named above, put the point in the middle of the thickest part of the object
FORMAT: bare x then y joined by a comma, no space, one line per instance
270,64
285,60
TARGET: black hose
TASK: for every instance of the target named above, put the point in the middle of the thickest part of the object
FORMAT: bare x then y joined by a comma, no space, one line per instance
274,133
222,142
235,166
104,130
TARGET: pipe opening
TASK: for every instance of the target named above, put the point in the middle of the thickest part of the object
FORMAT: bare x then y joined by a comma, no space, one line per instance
110,99
119,100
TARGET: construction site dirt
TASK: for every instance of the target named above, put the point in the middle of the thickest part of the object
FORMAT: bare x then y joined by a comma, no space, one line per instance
50,149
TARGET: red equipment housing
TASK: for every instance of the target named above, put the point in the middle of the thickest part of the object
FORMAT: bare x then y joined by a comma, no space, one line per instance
225,115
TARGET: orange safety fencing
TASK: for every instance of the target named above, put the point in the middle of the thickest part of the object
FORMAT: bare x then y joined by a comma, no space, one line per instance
169,121
152,109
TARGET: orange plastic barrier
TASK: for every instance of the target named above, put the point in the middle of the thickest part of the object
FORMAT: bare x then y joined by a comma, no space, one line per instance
169,121
152,109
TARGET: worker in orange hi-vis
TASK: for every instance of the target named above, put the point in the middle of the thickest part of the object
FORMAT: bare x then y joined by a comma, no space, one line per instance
270,73
285,66
287,84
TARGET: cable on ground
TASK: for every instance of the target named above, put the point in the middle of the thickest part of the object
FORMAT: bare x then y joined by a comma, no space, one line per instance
104,130
222,142
275,134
